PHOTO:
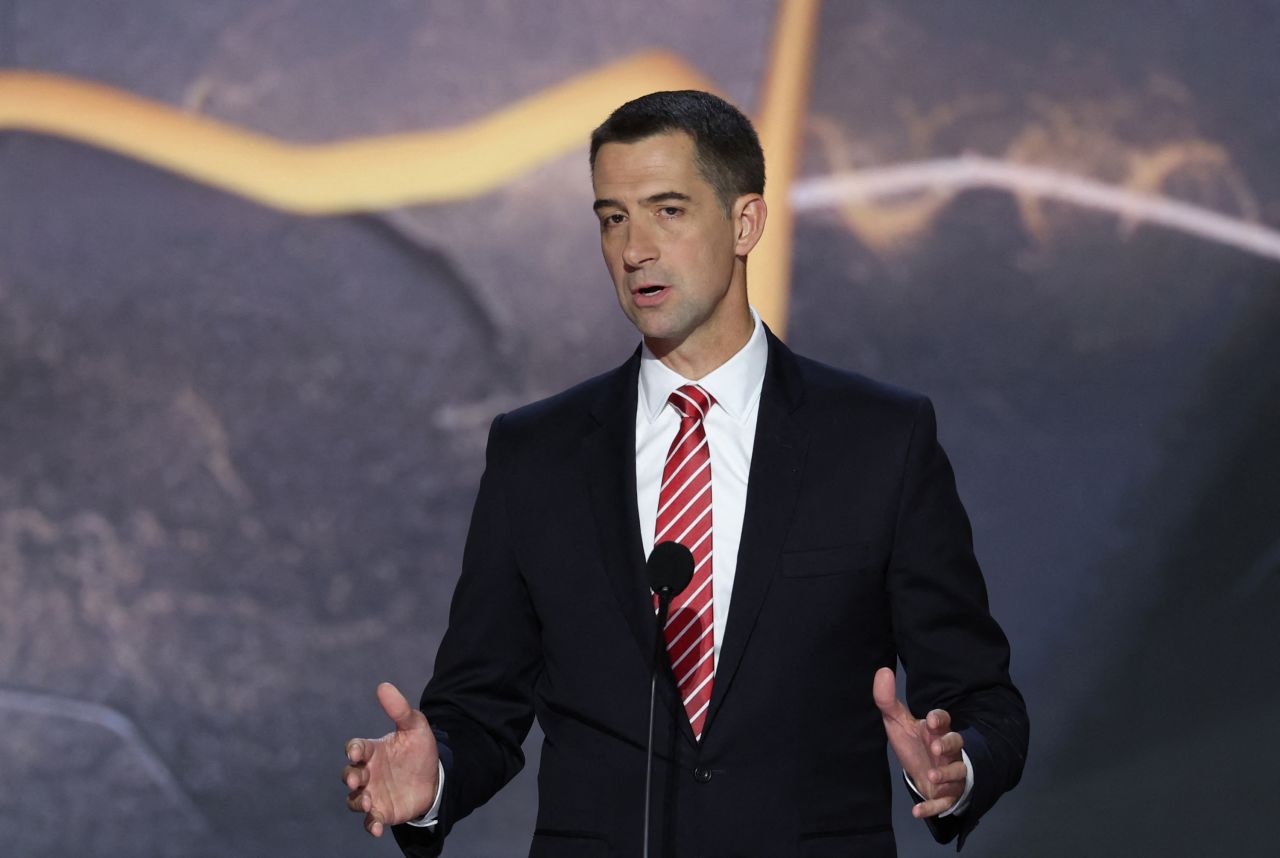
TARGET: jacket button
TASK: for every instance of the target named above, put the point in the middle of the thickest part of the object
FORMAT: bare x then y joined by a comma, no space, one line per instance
702,774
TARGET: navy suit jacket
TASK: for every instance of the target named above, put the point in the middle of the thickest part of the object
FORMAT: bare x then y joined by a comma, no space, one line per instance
855,553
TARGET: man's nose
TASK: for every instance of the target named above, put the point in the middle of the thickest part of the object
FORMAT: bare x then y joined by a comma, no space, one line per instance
641,247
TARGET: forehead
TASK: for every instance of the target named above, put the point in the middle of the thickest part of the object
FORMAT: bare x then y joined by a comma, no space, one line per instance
656,164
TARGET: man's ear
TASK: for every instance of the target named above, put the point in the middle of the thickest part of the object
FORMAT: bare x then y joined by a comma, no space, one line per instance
749,214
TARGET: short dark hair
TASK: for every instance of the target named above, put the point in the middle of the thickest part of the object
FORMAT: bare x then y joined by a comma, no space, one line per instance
725,144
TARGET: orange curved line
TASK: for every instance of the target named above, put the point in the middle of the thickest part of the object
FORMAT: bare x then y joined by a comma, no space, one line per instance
397,170
783,105
360,174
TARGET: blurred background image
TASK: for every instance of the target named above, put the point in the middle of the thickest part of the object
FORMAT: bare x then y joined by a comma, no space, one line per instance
269,269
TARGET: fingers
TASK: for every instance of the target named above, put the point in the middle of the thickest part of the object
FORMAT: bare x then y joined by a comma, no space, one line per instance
355,777
938,720
933,807
885,692
396,706
361,755
947,746
358,801
356,751
952,773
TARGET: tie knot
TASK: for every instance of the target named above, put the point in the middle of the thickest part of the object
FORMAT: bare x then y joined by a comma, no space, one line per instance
691,401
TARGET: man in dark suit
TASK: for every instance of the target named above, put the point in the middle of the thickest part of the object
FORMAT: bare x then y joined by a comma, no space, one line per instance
828,538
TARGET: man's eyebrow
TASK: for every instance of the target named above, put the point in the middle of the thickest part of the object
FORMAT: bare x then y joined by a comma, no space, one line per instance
667,196
652,199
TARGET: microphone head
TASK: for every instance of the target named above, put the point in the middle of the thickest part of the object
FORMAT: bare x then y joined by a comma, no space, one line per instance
670,568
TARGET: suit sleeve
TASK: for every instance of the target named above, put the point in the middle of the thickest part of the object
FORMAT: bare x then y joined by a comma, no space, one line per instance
479,701
955,655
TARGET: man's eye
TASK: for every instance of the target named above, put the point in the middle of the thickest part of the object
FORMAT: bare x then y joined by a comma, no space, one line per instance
612,220
669,211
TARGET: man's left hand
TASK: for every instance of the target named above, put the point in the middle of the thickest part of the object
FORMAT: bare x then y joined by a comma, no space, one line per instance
926,748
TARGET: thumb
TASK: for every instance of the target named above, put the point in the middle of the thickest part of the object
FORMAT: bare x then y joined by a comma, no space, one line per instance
397,708
884,690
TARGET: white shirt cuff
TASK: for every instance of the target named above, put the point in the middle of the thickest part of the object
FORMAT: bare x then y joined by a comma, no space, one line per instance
428,819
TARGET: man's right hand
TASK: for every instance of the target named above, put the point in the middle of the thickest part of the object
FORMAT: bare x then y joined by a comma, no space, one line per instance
393,779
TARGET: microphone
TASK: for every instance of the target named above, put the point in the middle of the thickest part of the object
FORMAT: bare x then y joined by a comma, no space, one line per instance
670,569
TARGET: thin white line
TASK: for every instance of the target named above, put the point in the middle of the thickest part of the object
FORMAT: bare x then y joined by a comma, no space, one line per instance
676,518
676,494
672,472
676,445
686,606
688,530
692,622
698,714
702,627
692,649
976,171
706,655
675,614
694,693
694,548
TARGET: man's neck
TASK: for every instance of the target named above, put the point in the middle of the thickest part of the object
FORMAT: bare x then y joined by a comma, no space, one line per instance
705,351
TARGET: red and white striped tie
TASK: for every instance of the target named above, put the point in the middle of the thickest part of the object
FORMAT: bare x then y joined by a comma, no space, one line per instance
684,516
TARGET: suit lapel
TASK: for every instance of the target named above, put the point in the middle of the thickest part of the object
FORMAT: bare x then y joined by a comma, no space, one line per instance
772,489
609,465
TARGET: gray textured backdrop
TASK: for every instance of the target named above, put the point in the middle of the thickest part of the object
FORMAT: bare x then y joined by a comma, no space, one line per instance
238,447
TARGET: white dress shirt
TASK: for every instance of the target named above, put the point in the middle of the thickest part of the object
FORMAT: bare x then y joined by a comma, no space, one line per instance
731,433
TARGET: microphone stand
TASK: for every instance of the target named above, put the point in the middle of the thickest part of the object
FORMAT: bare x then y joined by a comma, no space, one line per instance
659,656
669,568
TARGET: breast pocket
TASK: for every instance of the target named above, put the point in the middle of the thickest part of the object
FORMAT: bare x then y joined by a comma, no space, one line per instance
820,562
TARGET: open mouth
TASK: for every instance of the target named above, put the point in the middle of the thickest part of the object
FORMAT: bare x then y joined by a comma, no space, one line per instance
651,290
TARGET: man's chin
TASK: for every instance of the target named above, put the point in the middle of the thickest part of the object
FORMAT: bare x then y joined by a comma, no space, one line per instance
657,327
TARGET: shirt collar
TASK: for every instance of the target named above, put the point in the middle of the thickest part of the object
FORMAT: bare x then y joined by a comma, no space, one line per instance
735,384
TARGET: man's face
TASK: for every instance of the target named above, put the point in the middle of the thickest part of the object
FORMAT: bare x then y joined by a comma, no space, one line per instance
667,241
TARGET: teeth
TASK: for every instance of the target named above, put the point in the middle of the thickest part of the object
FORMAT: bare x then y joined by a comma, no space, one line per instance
650,290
